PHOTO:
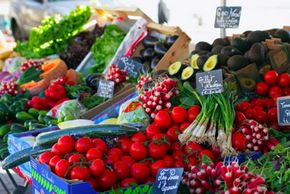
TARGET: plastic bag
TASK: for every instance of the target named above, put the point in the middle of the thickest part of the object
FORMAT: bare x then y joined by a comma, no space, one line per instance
12,65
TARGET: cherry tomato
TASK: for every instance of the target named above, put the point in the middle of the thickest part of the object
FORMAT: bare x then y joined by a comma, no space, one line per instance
74,158
191,148
53,161
122,170
62,168
83,144
178,155
152,130
168,160
156,166
97,167
80,173
261,117
192,161
161,137
45,157
140,172
176,146
93,183
111,159
179,164
183,126
128,160
239,118
275,91
115,152
126,145
163,119
157,151
207,153
93,153
284,80
272,114
178,114
172,133
286,91
107,180
66,144
55,150
192,113
101,145
139,137
243,106
271,77
262,89
138,151
250,113
128,182
239,141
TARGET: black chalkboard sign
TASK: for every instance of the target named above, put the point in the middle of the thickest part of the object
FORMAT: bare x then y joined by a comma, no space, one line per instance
210,82
227,17
167,180
106,88
132,67
283,108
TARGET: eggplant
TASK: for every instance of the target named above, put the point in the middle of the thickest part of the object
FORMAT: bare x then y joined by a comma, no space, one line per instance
149,41
138,59
148,53
170,40
154,62
160,49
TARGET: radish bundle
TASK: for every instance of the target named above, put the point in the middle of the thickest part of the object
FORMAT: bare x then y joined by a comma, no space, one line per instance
215,122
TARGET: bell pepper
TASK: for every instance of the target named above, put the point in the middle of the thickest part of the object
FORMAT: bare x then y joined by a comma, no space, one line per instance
56,92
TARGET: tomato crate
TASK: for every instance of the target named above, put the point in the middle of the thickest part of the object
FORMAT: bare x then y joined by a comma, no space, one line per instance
46,182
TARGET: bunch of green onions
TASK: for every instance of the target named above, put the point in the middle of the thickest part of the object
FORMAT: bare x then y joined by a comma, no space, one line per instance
214,124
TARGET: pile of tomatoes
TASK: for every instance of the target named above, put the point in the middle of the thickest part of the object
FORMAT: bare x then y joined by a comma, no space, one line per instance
132,160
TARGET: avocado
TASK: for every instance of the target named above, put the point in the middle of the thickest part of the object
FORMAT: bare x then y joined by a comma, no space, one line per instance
247,84
257,53
201,61
217,49
211,63
203,46
283,35
222,59
187,74
220,42
175,69
240,44
264,68
230,51
193,61
237,62
203,53
257,36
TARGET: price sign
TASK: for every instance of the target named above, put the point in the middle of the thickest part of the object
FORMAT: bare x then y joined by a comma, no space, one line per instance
167,180
106,88
227,17
210,82
283,107
132,67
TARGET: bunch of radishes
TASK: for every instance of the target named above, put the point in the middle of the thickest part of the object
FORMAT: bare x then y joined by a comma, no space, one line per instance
142,80
221,178
116,74
9,87
158,97
31,63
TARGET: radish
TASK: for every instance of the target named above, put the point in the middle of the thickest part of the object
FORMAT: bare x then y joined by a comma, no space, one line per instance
235,190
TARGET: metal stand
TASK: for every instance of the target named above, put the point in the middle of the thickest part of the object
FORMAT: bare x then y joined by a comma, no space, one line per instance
223,30
4,186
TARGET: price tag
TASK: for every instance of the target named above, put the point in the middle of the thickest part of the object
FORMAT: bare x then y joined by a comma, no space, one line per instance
167,180
210,82
106,88
132,67
283,107
227,17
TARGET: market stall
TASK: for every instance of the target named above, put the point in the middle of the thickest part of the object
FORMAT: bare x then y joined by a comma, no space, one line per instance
101,101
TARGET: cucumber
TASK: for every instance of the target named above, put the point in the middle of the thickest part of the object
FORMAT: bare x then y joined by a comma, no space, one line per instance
33,112
33,126
92,131
22,156
23,116
4,129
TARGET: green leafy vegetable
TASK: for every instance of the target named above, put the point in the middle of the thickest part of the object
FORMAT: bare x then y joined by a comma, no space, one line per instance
92,101
75,91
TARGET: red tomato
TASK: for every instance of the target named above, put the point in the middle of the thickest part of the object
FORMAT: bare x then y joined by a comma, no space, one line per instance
271,77
179,164
107,180
239,141
97,167
261,117
178,114
83,144
128,182
53,161
240,118
62,168
284,80
126,145
258,108
157,151
66,144
139,137
80,173
178,155
168,160
192,113
172,133
156,166
161,137
152,130
192,160
244,106
115,152
128,160
272,114
55,150
163,119
111,159
101,145
45,157
138,151
207,153
250,113
183,126
176,146
140,172
93,153
146,161
93,183
275,91
76,158
122,170
191,148
262,89
286,91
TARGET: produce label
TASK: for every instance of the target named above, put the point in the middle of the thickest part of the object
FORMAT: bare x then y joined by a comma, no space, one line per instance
283,104
167,180
132,67
210,82
227,17
106,88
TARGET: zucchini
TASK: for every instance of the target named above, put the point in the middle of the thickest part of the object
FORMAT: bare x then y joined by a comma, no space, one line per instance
23,116
92,131
4,129
22,156
33,126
